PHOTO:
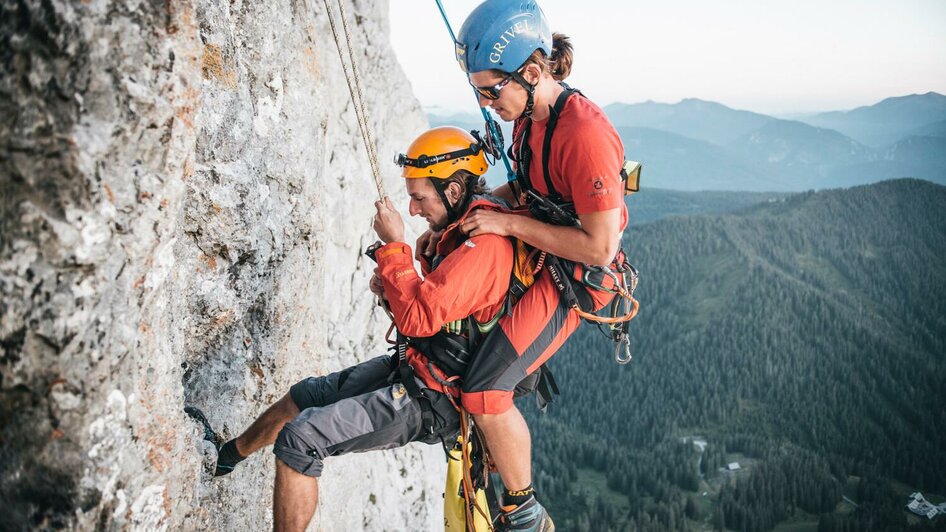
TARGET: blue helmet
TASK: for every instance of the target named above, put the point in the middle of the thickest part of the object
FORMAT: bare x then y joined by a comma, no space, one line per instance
501,35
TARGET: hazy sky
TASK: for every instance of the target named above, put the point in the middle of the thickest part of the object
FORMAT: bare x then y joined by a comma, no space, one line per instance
772,57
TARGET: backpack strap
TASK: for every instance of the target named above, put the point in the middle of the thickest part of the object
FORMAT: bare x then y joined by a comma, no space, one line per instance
522,155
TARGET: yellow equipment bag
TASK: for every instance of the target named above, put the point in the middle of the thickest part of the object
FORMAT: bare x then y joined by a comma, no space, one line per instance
455,509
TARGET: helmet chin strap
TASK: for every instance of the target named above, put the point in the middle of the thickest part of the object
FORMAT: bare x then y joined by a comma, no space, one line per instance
453,211
530,91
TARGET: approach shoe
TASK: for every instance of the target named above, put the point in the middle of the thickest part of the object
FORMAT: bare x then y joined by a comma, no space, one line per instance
218,468
529,516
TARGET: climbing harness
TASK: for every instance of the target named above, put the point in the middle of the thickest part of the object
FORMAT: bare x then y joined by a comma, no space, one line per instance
620,278
354,89
468,498
553,209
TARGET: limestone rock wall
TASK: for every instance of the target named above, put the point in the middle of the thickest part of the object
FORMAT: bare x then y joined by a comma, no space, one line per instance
185,196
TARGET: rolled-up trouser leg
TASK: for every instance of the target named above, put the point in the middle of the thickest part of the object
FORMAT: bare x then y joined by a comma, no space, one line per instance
384,418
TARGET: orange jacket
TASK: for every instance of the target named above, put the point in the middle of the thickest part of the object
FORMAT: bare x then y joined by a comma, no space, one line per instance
472,279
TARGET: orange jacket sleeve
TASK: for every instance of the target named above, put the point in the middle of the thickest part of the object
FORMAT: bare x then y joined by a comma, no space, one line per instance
472,277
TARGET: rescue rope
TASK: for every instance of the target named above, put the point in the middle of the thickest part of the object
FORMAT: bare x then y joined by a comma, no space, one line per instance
635,306
354,89
469,492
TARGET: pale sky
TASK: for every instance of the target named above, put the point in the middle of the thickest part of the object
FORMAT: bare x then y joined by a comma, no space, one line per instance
774,57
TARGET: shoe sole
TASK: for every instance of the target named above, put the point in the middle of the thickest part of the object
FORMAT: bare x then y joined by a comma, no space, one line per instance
198,416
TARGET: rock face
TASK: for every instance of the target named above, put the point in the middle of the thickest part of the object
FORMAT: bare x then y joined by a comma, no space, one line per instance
185,196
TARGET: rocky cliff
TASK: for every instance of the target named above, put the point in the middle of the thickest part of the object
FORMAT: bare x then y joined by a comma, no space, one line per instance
184,200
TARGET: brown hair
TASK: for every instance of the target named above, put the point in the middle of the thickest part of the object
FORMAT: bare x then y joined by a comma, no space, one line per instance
466,178
559,64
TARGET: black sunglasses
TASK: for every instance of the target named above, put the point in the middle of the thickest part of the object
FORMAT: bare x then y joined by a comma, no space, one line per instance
492,92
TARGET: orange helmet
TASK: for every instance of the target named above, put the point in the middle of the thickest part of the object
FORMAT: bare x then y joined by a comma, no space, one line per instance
441,151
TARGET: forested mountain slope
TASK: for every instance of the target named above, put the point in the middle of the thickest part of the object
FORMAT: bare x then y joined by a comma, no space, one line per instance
651,204
805,338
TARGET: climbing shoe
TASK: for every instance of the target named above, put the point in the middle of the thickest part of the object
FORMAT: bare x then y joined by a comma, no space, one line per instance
529,516
199,417
227,455
227,459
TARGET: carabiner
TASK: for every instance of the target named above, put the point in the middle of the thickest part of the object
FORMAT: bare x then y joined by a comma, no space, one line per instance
622,360
586,280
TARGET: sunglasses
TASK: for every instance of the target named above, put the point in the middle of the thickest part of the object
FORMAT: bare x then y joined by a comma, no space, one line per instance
492,92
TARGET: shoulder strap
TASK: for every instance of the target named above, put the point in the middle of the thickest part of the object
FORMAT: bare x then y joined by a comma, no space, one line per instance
522,154
555,111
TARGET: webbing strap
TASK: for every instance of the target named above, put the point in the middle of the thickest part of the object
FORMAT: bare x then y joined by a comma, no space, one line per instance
523,153
522,156
554,113
406,374
429,160
561,278
546,389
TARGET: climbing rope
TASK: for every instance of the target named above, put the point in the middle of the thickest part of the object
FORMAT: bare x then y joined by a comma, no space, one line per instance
354,89
469,491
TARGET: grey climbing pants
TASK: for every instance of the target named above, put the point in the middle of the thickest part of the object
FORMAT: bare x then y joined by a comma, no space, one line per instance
358,409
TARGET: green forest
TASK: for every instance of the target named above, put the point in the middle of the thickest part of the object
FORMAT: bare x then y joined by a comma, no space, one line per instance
803,338
649,205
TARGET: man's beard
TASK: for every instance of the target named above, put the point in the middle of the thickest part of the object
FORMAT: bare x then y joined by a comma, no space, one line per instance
439,227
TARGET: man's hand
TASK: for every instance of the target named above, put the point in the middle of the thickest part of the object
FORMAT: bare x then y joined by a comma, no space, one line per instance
426,245
482,221
388,223
376,286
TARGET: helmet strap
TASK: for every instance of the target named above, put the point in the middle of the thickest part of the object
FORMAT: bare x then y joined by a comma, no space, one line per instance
453,211
530,91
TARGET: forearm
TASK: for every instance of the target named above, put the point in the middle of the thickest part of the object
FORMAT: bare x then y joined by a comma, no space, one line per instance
463,283
403,290
570,243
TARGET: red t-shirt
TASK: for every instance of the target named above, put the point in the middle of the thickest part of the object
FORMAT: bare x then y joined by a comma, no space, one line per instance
585,160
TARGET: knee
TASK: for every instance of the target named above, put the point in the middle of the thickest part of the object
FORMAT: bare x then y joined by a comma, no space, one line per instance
489,402
484,420
490,419
298,452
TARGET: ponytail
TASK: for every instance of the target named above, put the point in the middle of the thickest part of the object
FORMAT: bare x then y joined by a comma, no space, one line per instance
560,62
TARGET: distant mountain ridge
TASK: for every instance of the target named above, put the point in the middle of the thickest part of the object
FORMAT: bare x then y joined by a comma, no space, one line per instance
692,117
674,161
751,151
652,204
701,145
885,122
